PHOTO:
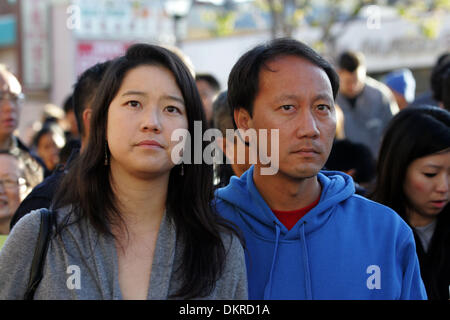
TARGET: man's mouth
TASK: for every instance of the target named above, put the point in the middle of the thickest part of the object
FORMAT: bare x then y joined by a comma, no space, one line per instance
9,122
3,203
307,151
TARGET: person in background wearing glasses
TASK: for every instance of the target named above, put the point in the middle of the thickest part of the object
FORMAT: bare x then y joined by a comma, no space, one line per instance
13,188
10,102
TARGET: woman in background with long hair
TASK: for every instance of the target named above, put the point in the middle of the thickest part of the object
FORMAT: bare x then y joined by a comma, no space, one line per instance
413,174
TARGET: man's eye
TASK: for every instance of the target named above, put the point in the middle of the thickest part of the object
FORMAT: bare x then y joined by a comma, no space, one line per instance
9,183
323,107
10,96
287,107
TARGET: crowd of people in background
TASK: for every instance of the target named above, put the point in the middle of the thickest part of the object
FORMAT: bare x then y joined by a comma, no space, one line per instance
362,187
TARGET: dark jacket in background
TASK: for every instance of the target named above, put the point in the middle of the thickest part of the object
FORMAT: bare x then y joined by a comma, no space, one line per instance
435,263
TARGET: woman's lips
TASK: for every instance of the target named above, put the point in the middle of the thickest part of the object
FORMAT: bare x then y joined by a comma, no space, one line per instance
439,203
149,144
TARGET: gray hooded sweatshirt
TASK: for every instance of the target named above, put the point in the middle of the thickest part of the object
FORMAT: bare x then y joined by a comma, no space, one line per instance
83,264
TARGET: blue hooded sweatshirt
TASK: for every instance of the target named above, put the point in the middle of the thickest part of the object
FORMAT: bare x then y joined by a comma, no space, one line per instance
346,247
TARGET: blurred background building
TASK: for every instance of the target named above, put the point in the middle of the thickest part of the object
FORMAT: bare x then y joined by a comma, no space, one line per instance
47,43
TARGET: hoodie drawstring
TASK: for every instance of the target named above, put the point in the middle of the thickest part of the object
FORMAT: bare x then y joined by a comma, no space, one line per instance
268,288
306,263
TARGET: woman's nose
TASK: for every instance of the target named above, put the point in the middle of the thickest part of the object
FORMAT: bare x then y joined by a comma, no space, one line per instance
151,121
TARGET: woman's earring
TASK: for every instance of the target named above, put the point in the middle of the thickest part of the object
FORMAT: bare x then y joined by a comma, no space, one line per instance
106,153
182,169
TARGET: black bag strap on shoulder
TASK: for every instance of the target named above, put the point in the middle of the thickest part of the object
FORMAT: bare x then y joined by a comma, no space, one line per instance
40,252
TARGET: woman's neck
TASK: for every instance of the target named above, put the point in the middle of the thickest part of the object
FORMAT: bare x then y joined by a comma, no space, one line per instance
141,202
419,220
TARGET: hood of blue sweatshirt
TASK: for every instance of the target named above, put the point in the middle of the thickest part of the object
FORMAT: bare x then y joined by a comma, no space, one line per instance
280,261
243,194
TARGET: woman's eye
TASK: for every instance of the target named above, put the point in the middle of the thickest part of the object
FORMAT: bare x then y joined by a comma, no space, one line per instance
133,103
429,175
172,109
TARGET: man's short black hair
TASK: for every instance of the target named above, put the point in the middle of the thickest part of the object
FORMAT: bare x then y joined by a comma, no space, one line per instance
346,155
440,81
243,81
210,79
68,104
350,61
84,91
221,114
442,58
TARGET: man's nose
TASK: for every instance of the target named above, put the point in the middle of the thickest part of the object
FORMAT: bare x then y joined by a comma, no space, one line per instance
307,125
2,188
7,105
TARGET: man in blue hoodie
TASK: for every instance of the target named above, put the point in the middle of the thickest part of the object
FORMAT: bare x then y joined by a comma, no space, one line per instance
308,235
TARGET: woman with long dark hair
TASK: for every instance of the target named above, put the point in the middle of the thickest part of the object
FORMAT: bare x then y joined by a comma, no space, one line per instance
130,222
413,175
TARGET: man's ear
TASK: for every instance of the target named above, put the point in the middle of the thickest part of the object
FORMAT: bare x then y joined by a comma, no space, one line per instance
243,119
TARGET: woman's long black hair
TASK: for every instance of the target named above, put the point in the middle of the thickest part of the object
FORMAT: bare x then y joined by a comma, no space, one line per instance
87,186
412,134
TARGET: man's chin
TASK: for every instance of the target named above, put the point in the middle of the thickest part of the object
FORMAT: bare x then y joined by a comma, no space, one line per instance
5,214
303,172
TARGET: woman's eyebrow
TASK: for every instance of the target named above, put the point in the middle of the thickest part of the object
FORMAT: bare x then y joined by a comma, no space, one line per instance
172,97
432,166
163,97
133,93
